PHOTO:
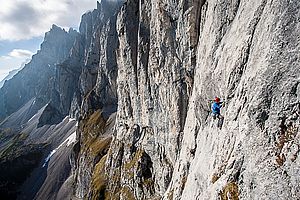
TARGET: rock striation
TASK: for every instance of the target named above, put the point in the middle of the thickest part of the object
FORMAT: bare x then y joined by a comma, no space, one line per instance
156,61
166,144
98,94
248,55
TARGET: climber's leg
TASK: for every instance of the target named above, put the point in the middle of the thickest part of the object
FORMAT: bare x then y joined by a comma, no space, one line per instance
214,116
220,121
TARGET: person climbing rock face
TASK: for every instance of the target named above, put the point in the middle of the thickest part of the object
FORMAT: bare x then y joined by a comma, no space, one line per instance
216,111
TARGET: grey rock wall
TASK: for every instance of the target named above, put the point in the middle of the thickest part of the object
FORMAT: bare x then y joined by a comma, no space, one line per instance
99,74
248,54
98,93
156,60
244,52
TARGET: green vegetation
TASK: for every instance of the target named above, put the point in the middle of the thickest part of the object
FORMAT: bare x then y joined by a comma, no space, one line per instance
230,191
214,178
129,166
99,180
170,195
12,147
93,126
17,161
287,136
126,193
131,170
96,145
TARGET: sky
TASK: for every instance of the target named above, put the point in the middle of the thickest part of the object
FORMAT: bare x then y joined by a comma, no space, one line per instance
24,23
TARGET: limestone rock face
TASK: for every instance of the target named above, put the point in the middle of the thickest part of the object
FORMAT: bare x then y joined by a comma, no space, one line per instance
248,54
156,60
98,78
245,52
97,98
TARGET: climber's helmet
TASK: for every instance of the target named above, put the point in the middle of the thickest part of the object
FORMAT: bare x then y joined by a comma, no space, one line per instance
217,99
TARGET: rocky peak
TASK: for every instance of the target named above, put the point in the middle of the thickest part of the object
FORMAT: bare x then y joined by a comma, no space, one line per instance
54,32
57,43
91,20
37,77
55,28
72,31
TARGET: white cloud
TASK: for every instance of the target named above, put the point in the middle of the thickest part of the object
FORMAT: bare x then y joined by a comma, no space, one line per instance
13,60
8,63
20,53
5,57
22,19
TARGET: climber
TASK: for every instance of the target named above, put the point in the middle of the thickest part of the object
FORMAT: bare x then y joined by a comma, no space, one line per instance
216,109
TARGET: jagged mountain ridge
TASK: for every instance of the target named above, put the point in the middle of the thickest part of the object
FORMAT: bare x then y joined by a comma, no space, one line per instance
9,76
171,58
51,86
37,78
31,118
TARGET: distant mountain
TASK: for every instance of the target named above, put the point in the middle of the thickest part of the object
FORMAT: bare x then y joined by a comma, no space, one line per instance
38,77
13,72
31,104
9,76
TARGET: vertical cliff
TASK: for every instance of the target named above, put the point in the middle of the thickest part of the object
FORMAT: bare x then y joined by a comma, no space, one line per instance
248,54
244,52
156,61
98,78
97,98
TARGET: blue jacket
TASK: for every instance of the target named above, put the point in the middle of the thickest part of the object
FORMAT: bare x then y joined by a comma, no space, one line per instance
215,108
